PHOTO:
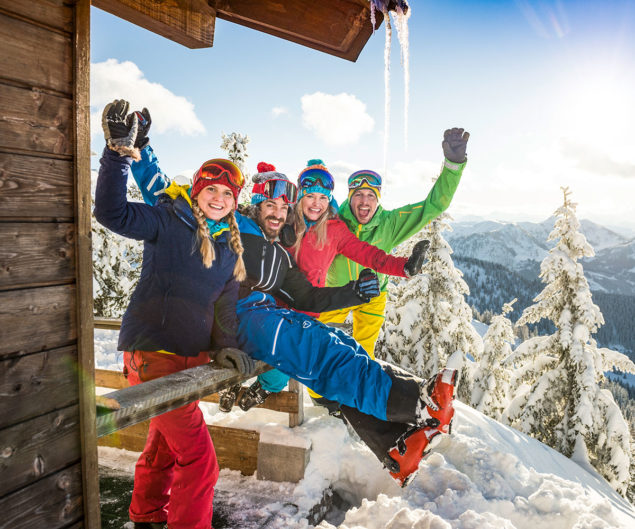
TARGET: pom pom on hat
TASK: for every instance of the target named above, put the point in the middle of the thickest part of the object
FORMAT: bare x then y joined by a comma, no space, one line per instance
314,161
264,167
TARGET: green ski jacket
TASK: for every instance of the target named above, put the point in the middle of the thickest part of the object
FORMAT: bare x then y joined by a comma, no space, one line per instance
388,229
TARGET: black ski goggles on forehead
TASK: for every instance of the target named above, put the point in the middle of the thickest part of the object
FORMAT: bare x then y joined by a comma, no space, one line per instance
277,188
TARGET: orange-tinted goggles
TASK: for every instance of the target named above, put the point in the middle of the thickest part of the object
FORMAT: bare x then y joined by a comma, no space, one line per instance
219,168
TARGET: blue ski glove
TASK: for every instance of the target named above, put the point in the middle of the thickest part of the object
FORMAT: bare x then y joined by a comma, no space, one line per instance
235,359
367,285
417,258
120,130
455,144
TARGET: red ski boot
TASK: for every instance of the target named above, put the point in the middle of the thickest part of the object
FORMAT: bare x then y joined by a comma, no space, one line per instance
436,406
435,415
403,460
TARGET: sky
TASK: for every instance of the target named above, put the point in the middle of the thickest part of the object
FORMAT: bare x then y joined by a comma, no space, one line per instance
484,475
546,90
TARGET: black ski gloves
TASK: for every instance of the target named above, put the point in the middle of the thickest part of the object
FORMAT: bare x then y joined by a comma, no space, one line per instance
454,144
145,121
417,258
235,359
367,285
120,130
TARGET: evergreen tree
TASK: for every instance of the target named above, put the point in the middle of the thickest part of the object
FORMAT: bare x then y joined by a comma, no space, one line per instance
235,145
561,402
428,322
492,378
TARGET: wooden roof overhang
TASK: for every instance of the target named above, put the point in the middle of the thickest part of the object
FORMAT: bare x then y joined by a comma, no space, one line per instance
336,27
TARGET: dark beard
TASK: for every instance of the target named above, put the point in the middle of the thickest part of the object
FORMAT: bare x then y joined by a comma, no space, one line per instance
271,234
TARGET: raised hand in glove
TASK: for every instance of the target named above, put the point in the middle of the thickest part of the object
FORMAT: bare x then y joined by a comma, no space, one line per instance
417,258
455,144
120,130
235,359
144,120
367,285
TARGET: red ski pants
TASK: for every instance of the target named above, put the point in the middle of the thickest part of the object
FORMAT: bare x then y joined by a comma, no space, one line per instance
177,470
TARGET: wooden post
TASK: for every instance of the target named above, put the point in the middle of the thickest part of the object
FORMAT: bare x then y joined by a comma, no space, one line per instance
84,265
297,418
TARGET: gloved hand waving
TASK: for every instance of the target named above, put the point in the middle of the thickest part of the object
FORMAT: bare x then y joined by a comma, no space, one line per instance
417,258
144,121
367,285
120,130
235,359
455,144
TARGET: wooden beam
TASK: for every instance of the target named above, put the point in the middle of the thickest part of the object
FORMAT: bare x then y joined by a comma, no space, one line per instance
338,27
137,403
284,401
188,22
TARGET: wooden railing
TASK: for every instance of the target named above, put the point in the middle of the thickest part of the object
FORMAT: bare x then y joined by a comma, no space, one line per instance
129,405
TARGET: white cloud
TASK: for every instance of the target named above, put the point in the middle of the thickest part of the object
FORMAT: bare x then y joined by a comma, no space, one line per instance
112,79
336,119
278,111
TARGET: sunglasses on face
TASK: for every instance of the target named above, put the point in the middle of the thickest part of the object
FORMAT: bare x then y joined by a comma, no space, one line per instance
370,177
277,188
218,169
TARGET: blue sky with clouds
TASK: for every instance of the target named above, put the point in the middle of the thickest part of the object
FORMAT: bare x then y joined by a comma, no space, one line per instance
546,89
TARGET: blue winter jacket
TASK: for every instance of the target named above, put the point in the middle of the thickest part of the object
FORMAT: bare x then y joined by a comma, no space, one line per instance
178,306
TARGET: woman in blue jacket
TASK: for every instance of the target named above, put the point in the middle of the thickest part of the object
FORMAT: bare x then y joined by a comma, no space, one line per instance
183,307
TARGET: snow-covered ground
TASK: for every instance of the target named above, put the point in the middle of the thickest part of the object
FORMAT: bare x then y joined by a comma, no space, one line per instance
485,475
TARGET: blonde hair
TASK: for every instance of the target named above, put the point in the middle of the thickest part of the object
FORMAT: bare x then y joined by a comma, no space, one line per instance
207,248
320,226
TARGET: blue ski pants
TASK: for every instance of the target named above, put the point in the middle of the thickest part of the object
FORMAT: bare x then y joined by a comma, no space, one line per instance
323,358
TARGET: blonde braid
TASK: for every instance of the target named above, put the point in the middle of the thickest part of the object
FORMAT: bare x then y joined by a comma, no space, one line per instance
207,248
240,273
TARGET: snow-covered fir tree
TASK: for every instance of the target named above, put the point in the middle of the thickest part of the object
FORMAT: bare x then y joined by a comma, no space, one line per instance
428,322
116,265
561,402
492,377
235,145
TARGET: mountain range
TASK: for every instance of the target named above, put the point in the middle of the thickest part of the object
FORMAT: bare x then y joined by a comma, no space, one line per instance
521,246
501,261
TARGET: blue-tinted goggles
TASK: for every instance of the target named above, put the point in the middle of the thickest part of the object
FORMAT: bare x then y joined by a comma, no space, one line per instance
277,188
316,177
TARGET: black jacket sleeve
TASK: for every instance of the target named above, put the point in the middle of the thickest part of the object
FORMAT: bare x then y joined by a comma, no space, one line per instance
297,292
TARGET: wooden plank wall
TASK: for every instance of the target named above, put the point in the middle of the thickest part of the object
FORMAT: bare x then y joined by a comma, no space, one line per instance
43,142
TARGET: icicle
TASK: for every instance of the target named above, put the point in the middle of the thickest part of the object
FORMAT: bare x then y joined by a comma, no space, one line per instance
373,21
400,17
386,89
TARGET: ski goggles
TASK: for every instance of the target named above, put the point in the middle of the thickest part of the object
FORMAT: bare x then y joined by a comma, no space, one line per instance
357,179
220,169
275,188
316,177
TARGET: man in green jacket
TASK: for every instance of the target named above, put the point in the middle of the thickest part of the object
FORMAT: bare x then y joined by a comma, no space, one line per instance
387,229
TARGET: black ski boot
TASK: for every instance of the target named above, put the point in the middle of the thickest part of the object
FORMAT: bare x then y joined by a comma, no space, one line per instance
227,398
253,396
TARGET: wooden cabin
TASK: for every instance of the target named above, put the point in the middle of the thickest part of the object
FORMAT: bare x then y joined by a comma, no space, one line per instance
48,449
